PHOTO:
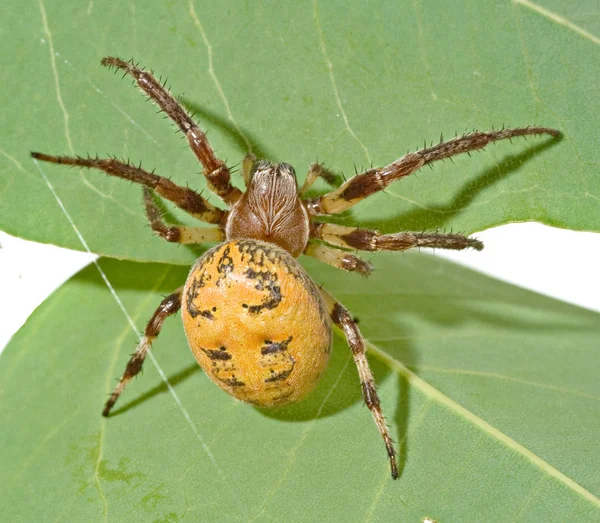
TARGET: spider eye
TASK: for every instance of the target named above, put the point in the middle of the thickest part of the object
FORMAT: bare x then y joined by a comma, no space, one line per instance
264,173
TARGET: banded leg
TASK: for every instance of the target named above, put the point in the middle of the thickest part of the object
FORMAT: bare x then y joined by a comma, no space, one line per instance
368,240
178,233
342,318
215,170
169,306
315,171
338,258
185,198
365,184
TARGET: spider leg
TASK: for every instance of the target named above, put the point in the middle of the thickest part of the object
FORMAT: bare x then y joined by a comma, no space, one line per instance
338,258
370,240
365,184
247,164
215,170
342,318
178,233
169,306
315,171
185,198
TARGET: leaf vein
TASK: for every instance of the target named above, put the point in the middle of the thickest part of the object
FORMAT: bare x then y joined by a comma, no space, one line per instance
486,427
292,454
558,19
55,74
211,72
495,375
529,498
132,324
336,92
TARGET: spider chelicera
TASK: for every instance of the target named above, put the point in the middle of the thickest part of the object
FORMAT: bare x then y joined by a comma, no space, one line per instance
255,321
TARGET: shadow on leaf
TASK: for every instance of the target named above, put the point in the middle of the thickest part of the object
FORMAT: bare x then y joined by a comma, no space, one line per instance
173,380
436,216
211,120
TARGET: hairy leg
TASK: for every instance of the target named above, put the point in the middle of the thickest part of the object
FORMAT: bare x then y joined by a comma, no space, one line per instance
184,197
247,165
178,233
369,240
215,170
342,318
338,259
365,184
315,171
169,306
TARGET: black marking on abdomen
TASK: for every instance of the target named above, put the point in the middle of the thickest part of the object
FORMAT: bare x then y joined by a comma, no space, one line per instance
269,303
280,375
232,382
259,254
220,354
272,347
265,280
225,264
192,294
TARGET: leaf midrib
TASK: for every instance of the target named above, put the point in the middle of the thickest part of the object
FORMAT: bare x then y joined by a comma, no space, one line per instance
436,395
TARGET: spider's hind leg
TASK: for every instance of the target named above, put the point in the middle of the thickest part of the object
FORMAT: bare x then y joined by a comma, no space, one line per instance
342,318
169,306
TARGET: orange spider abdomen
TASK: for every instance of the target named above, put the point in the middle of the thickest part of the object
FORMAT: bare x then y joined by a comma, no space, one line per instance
256,322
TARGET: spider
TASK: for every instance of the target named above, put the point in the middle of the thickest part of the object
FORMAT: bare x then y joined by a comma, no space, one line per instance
257,324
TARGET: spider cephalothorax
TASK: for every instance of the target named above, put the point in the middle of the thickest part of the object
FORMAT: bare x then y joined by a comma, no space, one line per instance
257,324
271,209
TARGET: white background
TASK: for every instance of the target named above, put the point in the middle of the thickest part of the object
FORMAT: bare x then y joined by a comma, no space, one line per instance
559,263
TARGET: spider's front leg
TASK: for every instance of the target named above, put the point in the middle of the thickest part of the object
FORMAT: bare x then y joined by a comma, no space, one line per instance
342,318
365,184
184,197
247,165
215,170
316,170
169,306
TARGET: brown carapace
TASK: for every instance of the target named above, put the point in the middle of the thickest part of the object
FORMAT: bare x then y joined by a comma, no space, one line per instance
255,321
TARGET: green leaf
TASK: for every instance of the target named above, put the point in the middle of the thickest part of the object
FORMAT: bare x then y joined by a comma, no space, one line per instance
495,413
349,83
